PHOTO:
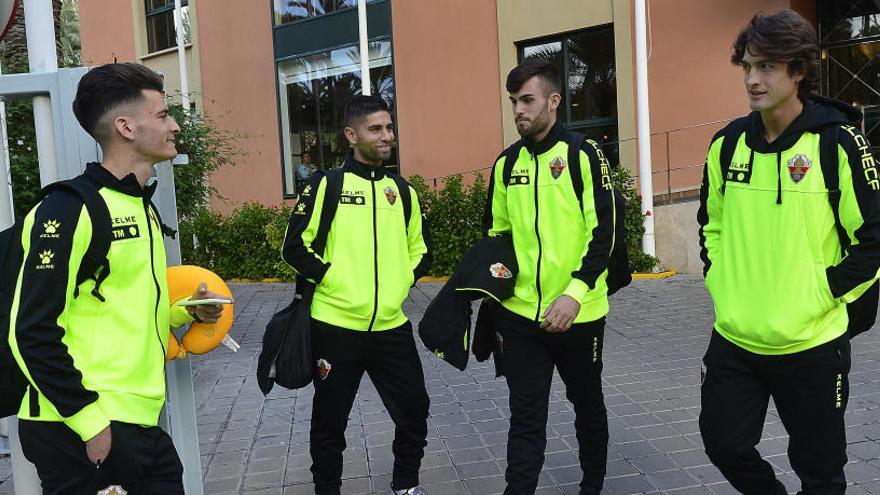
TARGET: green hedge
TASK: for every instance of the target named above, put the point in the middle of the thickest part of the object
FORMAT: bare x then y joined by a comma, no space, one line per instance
247,243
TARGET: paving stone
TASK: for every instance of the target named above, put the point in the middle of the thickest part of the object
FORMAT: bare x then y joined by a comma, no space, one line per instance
655,338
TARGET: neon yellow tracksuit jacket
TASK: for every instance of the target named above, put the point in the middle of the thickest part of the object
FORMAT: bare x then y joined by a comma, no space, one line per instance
560,248
770,246
89,362
371,258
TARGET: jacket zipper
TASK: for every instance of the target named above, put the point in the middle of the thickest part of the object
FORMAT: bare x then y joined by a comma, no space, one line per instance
538,235
156,282
375,255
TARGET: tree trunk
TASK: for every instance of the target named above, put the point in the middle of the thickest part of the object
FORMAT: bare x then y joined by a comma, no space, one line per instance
15,44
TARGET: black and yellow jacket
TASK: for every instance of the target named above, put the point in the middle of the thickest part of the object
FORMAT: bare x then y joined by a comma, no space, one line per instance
770,243
560,248
371,258
91,361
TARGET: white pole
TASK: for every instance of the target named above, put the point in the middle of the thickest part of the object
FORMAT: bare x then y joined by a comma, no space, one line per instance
7,207
646,187
365,52
24,474
40,29
181,55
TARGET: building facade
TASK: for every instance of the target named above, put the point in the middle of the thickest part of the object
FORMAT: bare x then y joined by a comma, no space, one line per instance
278,73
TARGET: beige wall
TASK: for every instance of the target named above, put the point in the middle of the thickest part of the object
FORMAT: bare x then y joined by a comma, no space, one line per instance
691,80
106,31
520,20
238,79
447,86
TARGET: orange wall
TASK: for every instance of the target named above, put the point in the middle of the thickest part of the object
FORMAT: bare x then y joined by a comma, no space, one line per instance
106,31
692,81
446,69
238,81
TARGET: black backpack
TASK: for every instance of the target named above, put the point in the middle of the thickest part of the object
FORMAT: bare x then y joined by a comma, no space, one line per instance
619,272
286,357
863,311
94,266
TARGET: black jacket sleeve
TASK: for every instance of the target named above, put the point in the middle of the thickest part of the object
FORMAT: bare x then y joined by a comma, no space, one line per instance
598,203
302,229
859,212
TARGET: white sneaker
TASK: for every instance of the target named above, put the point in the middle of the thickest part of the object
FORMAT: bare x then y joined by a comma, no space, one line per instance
411,491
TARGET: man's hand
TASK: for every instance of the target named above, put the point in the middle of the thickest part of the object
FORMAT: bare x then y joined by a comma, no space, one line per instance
98,447
206,313
561,314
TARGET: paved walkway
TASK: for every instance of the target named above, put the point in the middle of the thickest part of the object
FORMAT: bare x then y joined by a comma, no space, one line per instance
655,337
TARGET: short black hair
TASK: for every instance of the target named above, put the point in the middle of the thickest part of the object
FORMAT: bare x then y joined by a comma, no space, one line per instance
783,37
360,106
106,87
531,67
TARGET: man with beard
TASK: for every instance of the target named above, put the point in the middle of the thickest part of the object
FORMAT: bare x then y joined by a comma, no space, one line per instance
357,321
557,314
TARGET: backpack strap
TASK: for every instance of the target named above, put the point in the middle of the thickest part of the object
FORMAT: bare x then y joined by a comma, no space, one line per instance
574,141
731,135
332,194
828,138
95,264
510,158
405,196
166,230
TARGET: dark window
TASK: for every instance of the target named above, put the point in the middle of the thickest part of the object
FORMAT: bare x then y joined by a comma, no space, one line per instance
160,24
850,36
287,11
589,100
314,92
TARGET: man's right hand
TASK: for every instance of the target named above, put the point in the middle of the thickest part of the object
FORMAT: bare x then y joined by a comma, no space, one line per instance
98,447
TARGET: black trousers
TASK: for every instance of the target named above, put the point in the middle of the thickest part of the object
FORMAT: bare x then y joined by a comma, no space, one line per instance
528,356
391,360
141,460
810,390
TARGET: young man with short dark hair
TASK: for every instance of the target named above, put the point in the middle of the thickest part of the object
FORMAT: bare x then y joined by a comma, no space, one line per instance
556,317
94,352
784,251
371,259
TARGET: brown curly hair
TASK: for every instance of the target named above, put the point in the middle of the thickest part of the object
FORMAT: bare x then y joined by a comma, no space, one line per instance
783,37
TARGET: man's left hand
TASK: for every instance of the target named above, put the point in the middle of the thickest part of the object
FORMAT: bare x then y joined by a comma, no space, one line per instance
206,313
561,314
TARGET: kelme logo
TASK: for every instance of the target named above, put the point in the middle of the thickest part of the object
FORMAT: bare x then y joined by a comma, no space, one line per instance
46,260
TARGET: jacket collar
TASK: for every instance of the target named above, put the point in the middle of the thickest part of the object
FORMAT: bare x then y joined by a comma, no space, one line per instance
363,170
127,185
550,140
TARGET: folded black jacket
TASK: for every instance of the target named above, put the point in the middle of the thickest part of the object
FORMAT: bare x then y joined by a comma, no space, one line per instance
488,269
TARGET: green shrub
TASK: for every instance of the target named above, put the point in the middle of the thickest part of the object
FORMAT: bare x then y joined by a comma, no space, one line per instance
454,215
624,182
237,246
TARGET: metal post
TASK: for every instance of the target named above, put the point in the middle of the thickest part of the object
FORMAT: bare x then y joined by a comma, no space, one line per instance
646,187
181,56
7,206
365,51
40,29
180,406
24,474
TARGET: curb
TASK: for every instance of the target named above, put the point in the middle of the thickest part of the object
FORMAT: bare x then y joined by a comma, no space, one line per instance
649,276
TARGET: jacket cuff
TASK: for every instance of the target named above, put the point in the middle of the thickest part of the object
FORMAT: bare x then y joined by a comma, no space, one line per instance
88,422
577,289
178,315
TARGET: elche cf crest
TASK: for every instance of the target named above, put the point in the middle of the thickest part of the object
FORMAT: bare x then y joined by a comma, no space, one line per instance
390,195
798,167
112,490
557,166
498,270
323,367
